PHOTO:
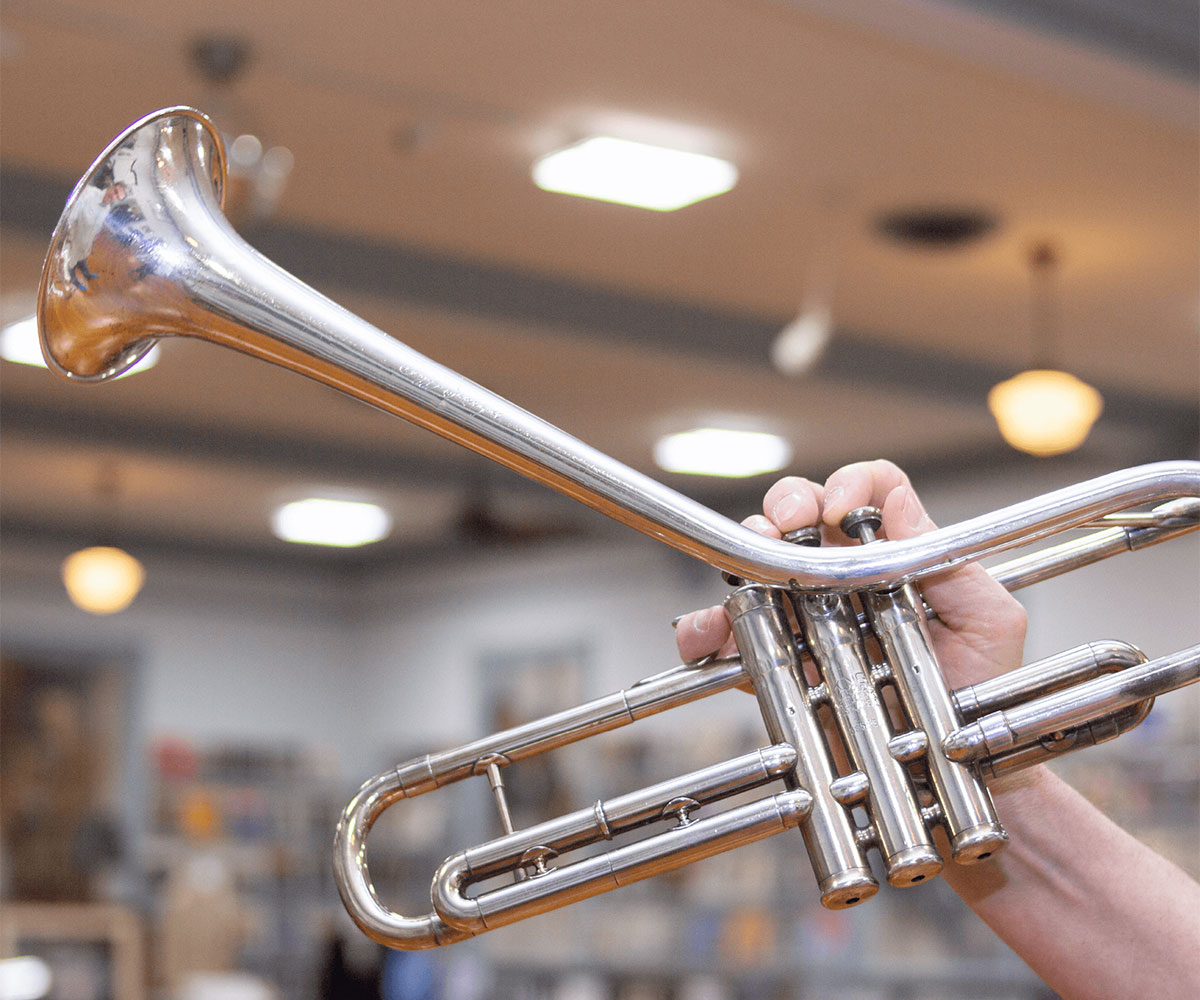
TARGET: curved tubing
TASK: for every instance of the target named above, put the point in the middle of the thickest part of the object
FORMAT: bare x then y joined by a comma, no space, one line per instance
1046,676
177,258
354,881
1020,725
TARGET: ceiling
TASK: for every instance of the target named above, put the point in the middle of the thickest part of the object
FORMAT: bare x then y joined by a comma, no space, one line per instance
413,127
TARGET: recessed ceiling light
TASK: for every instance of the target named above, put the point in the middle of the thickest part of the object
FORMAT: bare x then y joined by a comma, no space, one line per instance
634,173
341,523
937,228
715,451
19,343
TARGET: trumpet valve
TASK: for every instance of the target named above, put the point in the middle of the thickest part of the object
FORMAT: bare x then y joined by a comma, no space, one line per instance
862,523
978,843
913,865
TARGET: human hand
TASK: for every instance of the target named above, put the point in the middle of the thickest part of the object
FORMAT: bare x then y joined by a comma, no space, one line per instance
980,628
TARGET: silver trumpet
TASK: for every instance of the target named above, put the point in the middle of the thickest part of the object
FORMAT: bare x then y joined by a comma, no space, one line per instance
143,251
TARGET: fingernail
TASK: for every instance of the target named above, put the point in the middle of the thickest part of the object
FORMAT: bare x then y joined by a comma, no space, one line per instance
912,512
786,508
833,497
703,620
756,522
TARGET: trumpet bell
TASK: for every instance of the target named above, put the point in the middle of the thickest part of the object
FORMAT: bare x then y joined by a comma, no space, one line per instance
108,290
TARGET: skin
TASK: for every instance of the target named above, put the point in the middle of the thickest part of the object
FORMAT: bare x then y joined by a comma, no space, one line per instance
1094,912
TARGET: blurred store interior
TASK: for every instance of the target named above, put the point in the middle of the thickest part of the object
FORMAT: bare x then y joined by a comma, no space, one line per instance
171,774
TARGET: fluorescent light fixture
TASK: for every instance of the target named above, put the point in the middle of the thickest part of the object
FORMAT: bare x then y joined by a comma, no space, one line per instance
102,579
341,523
19,343
1045,412
634,173
714,451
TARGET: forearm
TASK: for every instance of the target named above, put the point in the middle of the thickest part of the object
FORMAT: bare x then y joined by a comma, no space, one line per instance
1093,911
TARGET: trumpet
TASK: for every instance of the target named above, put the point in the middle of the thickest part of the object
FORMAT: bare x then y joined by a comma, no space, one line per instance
143,251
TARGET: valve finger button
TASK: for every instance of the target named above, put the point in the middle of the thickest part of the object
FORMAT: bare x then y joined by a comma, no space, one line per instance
862,523
809,536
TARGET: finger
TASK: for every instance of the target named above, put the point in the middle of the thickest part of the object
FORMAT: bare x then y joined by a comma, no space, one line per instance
903,513
794,503
859,485
701,632
763,525
708,631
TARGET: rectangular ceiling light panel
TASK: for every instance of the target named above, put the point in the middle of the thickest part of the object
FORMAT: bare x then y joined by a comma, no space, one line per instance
634,173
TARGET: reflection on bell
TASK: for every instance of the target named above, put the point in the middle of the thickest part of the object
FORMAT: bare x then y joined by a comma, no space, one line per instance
102,579
1045,412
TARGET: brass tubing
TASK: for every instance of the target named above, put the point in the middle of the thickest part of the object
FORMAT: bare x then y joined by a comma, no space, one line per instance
966,806
354,879
605,820
1175,517
425,774
1089,734
1045,676
1166,521
772,660
1025,724
646,858
175,267
658,694
827,622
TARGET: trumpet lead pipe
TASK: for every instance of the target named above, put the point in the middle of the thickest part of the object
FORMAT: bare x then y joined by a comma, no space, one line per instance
1176,517
1126,532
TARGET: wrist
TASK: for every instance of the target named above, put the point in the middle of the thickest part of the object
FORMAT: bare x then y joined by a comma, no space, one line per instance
1019,784
1023,799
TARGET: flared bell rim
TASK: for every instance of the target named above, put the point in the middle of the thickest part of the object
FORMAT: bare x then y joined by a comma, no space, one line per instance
135,351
